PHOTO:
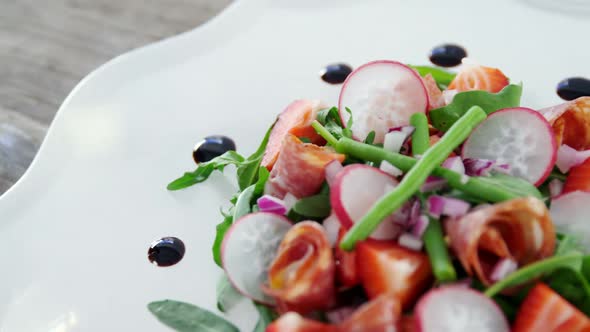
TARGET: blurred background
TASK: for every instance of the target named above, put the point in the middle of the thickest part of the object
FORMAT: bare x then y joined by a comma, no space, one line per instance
47,47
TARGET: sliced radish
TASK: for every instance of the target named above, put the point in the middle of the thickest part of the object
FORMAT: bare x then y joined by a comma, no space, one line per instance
570,215
248,248
458,309
381,95
355,191
519,137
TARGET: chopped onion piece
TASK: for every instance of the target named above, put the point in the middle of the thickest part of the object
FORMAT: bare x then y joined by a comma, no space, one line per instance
448,95
433,183
289,200
395,139
555,187
464,178
388,168
332,226
568,157
404,129
332,169
503,268
420,226
268,203
478,167
452,207
454,164
411,242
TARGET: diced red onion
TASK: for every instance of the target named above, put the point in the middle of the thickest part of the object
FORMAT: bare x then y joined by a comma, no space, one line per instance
388,168
433,183
568,157
420,226
414,212
402,215
332,226
555,187
332,169
289,201
503,268
454,164
502,168
464,178
452,207
478,167
448,95
465,282
268,203
395,138
339,315
411,242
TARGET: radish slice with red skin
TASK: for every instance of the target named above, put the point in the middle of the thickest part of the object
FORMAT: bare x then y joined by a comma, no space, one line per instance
570,212
381,94
356,189
458,309
254,239
519,137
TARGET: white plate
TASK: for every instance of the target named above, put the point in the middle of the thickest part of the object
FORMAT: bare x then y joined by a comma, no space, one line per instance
76,228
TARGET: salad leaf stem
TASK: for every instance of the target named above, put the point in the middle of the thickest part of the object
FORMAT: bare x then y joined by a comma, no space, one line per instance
436,247
533,271
324,133
411,183
420,137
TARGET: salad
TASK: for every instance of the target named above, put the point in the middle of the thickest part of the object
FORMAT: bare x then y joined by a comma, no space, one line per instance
425,201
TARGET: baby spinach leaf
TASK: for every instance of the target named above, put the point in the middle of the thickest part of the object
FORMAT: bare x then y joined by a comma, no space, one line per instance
317,206
185,317
248,170
204,170
227,295
220,231
267,315
443,118
572,286
533,271
441,76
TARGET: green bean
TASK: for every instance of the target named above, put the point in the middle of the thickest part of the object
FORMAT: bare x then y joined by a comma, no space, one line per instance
324,133
420,137
474,186
412,181
436,247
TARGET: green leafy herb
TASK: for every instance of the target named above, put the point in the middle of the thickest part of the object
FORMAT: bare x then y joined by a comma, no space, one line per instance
347,132
267,315
263,175
444,117
243,205
329,114
227,295
204,170
572,286
220,231
185,317
315,207
441,76
248,170
533,271
370,138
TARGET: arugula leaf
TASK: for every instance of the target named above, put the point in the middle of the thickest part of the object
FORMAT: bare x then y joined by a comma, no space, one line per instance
518,186
227,295
204,170
441,76
443,118
263,175
220,231
185,317
316,207
533,271
572,286
347,132
243,205
329,114
248,170
267,315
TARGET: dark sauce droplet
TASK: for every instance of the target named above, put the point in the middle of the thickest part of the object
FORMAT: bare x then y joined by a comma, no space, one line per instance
166,251
447,55
573,87
335,73
211,147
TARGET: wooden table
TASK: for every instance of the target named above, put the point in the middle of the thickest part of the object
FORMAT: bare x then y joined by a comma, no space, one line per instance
46,47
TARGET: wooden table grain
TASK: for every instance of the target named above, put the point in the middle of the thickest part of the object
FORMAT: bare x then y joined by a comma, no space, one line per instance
46,47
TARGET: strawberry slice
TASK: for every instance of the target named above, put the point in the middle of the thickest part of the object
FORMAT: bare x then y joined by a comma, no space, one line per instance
385,267
296,119
476,77
578,178
544,310
346,271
